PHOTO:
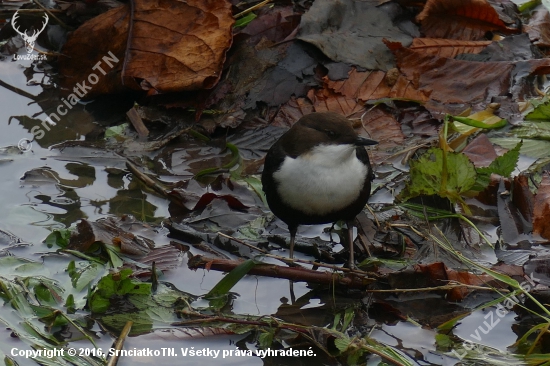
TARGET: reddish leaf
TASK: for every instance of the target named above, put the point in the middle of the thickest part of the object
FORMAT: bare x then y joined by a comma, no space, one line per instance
541,222
206,198
460,19
440,274
480,151
193,196
522,197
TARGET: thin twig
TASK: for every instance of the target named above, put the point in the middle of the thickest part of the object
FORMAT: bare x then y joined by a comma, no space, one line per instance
120,342
52,15
373,215
450,286
295,260
412,228
252,8
17,90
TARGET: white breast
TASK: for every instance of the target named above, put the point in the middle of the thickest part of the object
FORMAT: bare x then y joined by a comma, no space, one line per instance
328,178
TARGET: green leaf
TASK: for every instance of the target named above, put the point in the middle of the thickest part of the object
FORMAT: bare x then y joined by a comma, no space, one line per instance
117,284
348,317
342,343
115,131
479,124
230,279
533,148
70,304
266,339
43,294
83,277
443,341
245,20
58,237
540,113
533,130
503,165
427,176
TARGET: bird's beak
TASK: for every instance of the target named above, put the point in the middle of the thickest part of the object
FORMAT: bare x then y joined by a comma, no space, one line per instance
361,141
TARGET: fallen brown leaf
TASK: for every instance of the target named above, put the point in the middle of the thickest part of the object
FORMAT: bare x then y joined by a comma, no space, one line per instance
460,19
174,46
541,222
453,85
538,27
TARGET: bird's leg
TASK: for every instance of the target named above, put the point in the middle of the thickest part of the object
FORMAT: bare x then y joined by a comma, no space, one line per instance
293,230
352,265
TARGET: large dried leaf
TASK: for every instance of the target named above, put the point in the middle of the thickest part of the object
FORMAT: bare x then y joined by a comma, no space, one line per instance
82,52
352,32
541,222
453,85
460,19
179,45
174,46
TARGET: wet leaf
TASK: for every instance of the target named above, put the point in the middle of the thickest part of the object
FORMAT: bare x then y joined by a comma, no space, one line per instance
230,280
59,238
110,232
116,284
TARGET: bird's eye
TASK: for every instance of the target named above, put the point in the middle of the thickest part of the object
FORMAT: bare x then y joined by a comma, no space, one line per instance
330,133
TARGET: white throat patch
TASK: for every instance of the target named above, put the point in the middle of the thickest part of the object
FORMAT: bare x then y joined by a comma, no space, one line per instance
326,179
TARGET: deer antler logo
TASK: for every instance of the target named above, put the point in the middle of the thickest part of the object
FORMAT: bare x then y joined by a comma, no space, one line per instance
29,39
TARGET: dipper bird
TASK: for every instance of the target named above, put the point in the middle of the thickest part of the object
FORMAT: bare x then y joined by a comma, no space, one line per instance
318,172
